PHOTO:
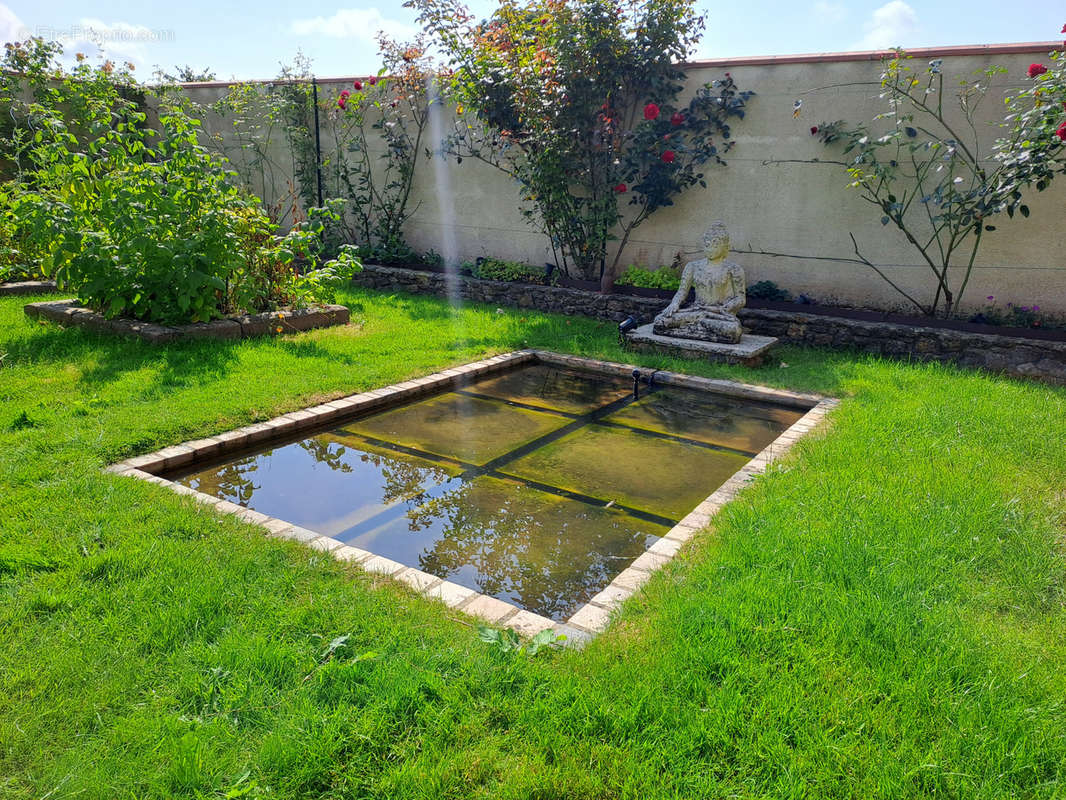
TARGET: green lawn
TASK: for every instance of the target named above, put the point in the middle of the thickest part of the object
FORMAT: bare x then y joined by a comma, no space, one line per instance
883,616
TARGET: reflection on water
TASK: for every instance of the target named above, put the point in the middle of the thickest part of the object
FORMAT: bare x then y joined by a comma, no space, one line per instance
533,527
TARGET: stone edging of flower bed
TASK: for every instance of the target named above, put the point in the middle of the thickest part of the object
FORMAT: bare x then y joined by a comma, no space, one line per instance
1021,357
68,312
27,287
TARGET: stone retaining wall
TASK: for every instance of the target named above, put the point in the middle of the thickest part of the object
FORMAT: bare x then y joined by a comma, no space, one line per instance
68,312
611,307
1033,358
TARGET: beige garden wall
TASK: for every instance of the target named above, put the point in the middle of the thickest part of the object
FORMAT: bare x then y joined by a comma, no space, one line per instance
769,198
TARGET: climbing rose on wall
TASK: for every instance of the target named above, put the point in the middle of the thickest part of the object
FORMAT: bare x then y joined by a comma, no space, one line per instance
651,111
357,85
677,119
667,156
1061,132
1036,69
621,188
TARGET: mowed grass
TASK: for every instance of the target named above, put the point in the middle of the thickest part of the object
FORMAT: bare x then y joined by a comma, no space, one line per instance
880,616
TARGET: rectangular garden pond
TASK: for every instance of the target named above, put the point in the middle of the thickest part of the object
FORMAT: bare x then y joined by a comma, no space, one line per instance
533,490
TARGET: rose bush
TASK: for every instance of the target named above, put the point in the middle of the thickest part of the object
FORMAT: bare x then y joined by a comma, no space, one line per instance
573,99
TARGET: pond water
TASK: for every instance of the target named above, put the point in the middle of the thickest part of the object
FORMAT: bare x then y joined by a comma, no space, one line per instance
537,486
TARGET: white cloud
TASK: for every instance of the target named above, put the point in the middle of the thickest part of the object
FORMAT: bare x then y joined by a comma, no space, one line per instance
353,23
11,27
891,25
830,12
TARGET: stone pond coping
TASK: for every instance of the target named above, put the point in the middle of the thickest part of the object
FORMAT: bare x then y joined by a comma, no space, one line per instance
588,621
68,312
27,287
1020,357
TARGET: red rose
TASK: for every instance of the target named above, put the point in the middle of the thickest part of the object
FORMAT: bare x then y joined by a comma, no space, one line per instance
1063,29
342,103
651,111
814,130
621,188
372,79
677,118
667,156
1061,132
1036,69
357,85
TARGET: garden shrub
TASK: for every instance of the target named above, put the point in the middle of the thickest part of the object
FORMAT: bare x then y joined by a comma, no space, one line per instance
373,133
140,220
579,103
924,172
662,278
768,290
494,269
20,259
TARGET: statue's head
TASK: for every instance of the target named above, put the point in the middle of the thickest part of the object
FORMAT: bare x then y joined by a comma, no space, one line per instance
716,241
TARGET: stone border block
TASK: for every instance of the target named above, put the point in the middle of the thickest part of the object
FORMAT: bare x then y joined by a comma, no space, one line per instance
490,609
27,287
451,594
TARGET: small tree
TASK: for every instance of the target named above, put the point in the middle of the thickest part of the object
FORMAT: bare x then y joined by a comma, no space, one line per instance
927,176
577,101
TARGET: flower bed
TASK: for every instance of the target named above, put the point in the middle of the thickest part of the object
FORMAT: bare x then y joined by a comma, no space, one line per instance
917,338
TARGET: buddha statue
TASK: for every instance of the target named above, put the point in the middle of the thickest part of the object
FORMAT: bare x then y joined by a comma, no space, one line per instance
720,293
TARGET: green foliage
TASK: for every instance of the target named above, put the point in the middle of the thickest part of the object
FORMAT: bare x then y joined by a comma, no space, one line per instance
506,641
20,258
495,269
390,110
1034,150
927,176
578,102
139,219
1016,316
768,290
372,136
661,278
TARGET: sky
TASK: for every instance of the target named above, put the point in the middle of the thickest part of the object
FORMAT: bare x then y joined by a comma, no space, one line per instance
248,41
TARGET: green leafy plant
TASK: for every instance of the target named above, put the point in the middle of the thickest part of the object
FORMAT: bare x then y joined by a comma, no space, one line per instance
372,136
578,102
141,220
379,127
1034,150
768,290
495,269
661,278
927,176
507,642
1015,316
